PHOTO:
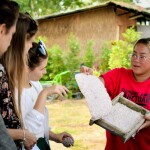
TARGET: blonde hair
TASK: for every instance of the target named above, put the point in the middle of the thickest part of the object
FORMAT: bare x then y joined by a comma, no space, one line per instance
14,59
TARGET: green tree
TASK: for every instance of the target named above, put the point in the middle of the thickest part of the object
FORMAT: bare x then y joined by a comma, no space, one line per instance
43,7
101,1
39,8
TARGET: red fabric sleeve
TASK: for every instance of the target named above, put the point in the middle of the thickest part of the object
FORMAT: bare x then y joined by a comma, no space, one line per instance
112,81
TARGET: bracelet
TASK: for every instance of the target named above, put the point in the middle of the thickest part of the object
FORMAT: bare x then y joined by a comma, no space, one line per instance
24,135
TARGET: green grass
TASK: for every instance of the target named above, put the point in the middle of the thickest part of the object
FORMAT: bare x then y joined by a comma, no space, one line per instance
73,117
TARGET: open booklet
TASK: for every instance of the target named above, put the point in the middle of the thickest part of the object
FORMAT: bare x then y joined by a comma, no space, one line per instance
120,116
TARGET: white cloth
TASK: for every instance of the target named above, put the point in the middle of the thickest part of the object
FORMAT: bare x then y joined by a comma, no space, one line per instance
33,120
96,95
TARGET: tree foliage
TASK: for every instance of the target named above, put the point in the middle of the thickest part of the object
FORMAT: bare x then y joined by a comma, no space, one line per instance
39,8
43,7
101,1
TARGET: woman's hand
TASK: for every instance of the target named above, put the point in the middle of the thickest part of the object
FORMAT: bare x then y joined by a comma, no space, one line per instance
61,136
86,70
146,123
57,89
41,100
65,138
29,140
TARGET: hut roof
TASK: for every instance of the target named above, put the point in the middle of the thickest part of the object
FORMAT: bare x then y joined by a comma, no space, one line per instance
138,11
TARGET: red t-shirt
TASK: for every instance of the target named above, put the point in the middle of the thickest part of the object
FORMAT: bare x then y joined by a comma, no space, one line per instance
122,80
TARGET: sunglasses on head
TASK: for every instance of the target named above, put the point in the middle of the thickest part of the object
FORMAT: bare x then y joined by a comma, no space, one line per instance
42,48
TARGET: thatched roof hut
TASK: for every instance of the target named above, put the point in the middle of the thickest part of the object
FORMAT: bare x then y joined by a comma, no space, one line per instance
99,23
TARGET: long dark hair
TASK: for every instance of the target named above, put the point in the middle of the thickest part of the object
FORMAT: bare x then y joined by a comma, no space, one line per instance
145,41
35,56
9,11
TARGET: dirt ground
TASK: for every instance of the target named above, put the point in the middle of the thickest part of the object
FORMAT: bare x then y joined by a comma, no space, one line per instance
93,141
89,138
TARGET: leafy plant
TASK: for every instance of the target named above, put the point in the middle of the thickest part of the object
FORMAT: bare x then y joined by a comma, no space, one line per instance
131,35
119,56
61,68
72,58
89,54
72,63
104,57
55,63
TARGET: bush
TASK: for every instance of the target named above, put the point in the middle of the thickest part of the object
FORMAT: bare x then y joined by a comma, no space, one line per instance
104,57
119,55
55,63
61,67
89,54
72,58
115,54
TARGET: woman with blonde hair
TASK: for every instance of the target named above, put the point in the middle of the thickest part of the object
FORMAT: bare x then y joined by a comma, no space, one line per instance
14,61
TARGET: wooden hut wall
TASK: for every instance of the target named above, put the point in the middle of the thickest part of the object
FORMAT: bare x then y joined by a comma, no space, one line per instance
98,25
124,21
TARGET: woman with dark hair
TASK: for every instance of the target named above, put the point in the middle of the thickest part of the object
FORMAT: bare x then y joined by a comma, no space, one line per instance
9,11
12,81
135,83
34,112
